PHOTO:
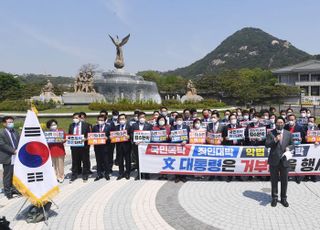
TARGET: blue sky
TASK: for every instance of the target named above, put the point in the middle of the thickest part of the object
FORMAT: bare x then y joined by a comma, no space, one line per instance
57,37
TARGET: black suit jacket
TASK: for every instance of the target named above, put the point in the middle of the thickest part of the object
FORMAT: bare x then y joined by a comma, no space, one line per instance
106,130
85,129
210,128
277,149
6,148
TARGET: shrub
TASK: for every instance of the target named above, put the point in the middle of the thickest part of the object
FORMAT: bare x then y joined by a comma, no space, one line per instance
23,105
127,105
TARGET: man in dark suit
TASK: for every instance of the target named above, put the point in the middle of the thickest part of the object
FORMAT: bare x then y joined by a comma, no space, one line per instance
80,154
83,117
140,125
102,151
215,126
9,139
179,126
279,141
123,148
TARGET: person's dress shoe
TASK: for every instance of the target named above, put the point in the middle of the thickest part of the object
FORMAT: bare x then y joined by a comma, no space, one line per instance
176,180
127,176
120,177
85,178
274,202
107,177
73,178
98,178
9,196
137,178
284,202
15,191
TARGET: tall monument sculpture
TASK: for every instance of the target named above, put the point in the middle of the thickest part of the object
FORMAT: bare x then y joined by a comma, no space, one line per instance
117,84
119,62
191,93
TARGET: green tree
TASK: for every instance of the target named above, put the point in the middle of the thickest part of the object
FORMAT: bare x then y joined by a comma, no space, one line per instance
10,87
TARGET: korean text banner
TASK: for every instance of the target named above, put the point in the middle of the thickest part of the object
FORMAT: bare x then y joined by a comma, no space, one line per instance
199,159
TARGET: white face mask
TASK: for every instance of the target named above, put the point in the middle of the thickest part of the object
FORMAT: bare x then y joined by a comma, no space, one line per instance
142,120
226,117
266,117
272,120
255,120
246,117
283,116
53,127
161,123
214,120
76,120
101,122
164,113
197,125
122,122
179,122
115,117
310,124
308,114
233,122
291,123
303,114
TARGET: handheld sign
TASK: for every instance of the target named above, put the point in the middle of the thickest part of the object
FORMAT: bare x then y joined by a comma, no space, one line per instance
158,136
96,138
296,137
205,124
214,138
313,136
302,121
197,136
54,136
244,124
119,136
188,123
179,135
236,134
141,136
75,140
257,133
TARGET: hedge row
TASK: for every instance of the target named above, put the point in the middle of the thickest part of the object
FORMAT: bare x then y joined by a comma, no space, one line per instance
23,105
126,105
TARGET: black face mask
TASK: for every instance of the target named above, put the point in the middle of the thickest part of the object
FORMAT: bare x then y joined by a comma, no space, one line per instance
279,127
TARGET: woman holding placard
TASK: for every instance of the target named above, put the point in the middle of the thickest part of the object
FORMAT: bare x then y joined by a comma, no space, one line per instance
161,124
56,148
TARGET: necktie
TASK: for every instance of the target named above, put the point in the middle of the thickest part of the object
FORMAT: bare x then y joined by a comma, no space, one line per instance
100,128
77,129
14,139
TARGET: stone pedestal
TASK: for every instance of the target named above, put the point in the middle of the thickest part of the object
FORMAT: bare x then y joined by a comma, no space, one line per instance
82,98
191,97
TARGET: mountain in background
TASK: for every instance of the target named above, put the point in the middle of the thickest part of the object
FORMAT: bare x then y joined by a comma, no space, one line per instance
246,48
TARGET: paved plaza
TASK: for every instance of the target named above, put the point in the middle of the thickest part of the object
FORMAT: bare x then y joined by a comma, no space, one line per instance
153,204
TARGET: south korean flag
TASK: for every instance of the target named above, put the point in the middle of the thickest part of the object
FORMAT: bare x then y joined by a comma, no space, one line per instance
34,175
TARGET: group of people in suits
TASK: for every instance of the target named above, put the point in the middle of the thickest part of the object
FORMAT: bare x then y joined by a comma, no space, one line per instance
279,140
